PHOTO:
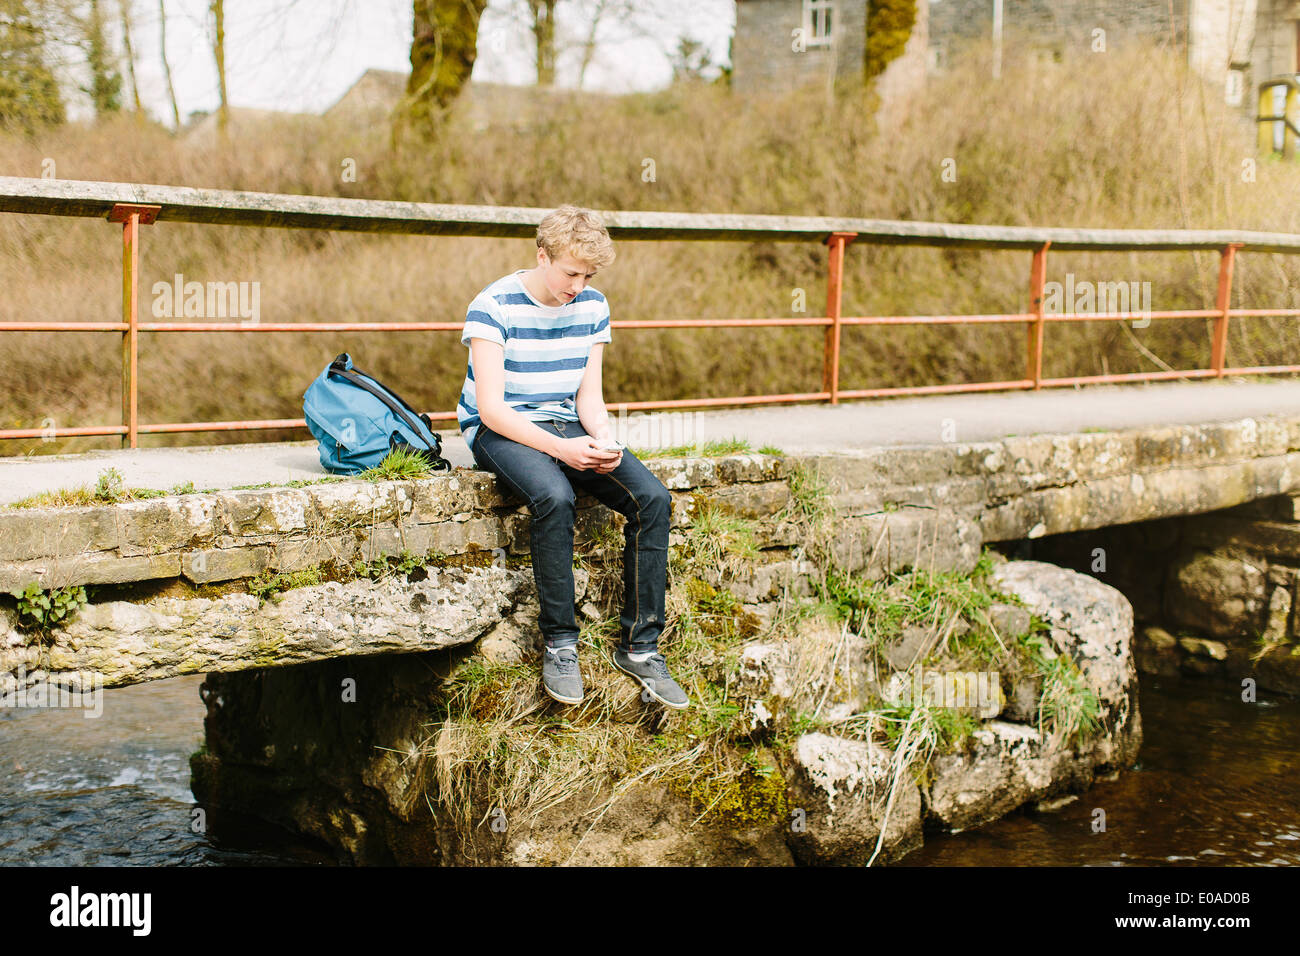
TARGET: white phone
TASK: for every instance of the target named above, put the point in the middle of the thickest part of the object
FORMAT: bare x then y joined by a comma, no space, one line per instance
612,444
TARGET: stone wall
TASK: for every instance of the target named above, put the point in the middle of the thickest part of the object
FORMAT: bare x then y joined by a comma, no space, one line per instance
1058,22
185,559
764,60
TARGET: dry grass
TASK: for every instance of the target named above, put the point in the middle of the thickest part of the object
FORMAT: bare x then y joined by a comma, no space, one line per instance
1124,139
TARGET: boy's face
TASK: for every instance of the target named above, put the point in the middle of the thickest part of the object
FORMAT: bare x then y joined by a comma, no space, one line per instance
564,277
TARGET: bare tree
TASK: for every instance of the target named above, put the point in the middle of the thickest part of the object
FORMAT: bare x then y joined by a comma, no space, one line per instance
542,16
589,43
218,11
614,21
167,70
125,7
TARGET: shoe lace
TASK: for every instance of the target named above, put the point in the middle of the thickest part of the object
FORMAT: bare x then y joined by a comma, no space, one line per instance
660,666
566,661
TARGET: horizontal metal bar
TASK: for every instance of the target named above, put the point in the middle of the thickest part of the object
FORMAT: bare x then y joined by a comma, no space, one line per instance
1127,377
1263,370
901,391
1130,316
168,427
935,319
301,326
716,323
62,432
63,327
724,402
66,197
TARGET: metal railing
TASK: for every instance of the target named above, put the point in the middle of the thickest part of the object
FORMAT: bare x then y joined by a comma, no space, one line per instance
1288,119
139,205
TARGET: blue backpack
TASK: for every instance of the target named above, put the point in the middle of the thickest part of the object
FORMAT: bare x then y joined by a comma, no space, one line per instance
358,421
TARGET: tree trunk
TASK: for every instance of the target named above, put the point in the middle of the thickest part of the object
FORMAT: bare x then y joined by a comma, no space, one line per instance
105,82
589,45
167,70
544,33
219,52
125,7
443,48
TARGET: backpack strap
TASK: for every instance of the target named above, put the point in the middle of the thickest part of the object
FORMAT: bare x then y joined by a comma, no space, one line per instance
398,407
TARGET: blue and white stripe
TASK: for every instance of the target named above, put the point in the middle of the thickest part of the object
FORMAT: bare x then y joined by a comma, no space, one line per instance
546,349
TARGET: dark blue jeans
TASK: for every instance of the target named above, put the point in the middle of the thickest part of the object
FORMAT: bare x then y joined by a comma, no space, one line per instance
549,487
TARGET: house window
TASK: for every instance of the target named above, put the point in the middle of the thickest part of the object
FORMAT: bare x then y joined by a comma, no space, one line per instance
817,22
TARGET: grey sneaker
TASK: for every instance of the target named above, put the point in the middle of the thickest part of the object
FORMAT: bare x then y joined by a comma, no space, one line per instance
652,673
560,675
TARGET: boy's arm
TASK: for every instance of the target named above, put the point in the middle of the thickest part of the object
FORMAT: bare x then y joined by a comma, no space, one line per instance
489,390
590,403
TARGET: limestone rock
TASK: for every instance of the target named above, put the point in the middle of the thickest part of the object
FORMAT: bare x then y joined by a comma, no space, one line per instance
821,664
1279,613
1089,619
126,643
1007,766
902,652
1157,652
841,786
1221,595
1009,620
875,545
1199,647
763,582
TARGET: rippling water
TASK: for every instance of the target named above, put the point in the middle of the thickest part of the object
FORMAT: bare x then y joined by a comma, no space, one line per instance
1217,784
115,789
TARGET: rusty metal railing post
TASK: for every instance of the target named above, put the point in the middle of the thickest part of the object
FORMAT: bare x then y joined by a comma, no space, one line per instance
1223,304
131,217
834,299
1034,338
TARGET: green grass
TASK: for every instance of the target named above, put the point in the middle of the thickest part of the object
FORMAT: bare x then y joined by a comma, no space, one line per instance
710,449
1068,710
398,465
940,602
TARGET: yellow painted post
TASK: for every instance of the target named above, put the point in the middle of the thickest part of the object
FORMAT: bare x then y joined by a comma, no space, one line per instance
1292,123
1264,142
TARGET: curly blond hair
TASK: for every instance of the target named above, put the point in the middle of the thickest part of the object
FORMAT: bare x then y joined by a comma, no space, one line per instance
573,231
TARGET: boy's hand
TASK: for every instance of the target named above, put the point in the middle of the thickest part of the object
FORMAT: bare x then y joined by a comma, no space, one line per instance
583,453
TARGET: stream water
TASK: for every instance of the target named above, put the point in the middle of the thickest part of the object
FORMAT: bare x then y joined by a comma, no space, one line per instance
1216,784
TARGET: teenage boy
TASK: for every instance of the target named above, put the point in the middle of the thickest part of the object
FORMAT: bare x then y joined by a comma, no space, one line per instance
532,413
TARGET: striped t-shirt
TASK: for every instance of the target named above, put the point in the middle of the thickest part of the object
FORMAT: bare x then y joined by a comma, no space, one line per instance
546,349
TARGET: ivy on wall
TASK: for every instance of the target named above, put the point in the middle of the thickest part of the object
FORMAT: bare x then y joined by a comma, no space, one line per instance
889,24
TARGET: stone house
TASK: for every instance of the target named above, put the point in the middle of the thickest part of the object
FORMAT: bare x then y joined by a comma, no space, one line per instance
1235,44
781,44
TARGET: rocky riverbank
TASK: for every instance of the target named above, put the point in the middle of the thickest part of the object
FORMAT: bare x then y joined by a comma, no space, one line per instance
814,737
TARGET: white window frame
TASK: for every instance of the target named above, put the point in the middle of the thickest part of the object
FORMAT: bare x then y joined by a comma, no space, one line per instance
810,9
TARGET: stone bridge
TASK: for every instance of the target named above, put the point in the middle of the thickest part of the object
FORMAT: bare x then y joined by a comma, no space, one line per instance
926,481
